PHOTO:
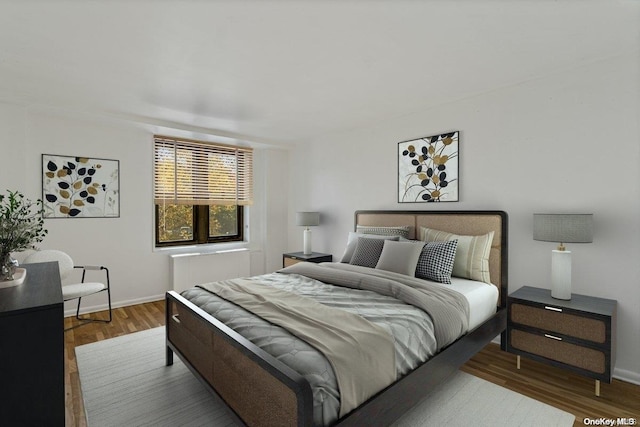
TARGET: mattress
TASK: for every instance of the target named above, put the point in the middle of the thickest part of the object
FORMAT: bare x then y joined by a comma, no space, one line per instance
482,298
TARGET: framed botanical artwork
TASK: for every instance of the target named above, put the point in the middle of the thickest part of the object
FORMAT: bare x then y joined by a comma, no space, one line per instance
428,169
80,187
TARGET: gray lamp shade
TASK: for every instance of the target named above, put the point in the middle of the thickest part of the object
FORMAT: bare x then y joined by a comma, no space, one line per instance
563,228
307,219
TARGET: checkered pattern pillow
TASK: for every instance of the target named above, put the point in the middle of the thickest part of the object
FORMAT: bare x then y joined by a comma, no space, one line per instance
436,261
367,252
401,230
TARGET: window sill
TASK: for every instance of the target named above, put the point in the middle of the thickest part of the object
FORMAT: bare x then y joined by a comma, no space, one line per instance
202,249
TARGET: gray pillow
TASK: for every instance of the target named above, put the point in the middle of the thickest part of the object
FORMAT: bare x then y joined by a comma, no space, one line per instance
400,257
436,261
367,252
352,241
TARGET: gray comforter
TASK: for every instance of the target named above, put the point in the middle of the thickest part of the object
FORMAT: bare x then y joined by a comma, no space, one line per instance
382,298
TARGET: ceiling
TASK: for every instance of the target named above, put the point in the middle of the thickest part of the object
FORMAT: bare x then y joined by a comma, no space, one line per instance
285,72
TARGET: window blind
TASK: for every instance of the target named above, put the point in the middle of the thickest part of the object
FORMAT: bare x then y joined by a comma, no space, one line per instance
199,173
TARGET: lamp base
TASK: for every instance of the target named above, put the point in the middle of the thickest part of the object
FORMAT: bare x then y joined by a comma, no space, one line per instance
561,275
307,242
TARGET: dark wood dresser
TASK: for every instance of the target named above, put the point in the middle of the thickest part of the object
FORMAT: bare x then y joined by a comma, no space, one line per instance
578,335
32,349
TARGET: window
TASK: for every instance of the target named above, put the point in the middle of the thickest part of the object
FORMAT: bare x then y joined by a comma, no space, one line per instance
200,191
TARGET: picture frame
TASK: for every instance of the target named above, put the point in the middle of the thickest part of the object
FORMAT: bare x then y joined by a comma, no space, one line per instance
428,169
80,187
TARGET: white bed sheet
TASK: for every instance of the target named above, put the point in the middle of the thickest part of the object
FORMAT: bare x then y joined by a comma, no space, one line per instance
482,297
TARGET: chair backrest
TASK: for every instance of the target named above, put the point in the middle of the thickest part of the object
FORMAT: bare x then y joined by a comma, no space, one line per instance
65,263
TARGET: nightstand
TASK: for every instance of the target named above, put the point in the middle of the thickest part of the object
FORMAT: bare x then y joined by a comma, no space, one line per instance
577,335
294,257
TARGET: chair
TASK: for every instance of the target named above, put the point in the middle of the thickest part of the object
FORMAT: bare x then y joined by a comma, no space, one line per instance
78,290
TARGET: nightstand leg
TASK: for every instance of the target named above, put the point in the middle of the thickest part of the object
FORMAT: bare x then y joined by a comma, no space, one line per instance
598,388
518,362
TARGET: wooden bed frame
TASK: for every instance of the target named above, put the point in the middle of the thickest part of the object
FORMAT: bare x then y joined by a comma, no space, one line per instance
261,390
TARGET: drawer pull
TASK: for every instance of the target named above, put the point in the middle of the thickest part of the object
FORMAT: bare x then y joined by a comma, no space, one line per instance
175,318
546,307
553,337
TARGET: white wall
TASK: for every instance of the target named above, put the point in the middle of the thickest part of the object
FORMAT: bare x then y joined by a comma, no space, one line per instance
124,244
565,143
12,154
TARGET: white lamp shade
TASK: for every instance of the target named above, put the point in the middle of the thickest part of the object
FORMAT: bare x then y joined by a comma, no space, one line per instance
307,219
563,228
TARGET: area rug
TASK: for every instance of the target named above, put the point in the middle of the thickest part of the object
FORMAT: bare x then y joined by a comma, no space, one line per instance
125,382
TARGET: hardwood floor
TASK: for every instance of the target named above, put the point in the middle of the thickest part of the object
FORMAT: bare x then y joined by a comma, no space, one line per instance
556,387
564,390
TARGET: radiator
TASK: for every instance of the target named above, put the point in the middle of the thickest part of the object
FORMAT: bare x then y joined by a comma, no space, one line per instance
189,270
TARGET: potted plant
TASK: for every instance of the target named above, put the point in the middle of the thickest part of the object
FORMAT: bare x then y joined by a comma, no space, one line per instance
21,226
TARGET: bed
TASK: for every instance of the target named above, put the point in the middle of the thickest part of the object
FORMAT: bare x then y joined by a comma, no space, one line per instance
261,388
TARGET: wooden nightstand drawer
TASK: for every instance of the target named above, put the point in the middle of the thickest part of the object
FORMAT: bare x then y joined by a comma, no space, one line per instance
554,348
553,319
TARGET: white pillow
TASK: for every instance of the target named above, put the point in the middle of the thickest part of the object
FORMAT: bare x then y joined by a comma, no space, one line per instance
400,257
352,241
472,253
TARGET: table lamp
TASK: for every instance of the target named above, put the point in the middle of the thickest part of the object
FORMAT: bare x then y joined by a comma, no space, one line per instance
307,219
562,228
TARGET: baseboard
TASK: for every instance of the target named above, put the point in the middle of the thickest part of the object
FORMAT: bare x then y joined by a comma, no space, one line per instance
102,307
627,376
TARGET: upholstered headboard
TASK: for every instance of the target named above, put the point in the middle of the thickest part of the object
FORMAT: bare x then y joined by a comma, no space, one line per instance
458,222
